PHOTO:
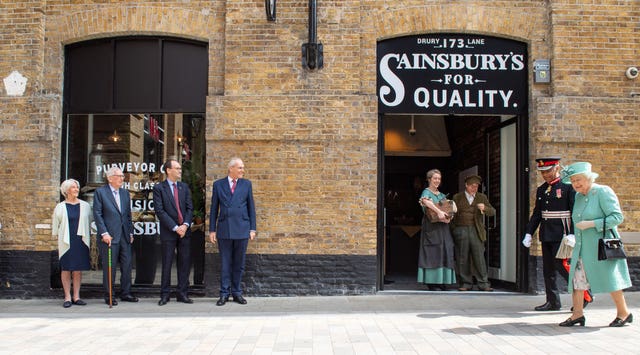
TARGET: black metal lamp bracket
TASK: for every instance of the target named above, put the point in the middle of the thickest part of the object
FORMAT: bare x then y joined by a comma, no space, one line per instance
312,52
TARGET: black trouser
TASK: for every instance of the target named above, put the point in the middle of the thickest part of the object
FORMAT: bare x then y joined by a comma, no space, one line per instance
551,267
183,265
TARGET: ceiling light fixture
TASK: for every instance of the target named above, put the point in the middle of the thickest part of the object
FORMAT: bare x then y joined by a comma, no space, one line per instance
115,138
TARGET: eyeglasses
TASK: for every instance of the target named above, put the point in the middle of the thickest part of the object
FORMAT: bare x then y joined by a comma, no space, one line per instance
120,176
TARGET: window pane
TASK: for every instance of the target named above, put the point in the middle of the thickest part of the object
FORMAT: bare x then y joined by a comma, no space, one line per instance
135,143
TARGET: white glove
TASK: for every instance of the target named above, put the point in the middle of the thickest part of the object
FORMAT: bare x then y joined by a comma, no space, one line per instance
582,225
527,240
569,240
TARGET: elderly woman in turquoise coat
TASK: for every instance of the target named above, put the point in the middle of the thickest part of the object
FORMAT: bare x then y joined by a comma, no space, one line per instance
595,207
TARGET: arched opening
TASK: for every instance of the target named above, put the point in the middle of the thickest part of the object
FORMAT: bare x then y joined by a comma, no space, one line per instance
134,102
457,103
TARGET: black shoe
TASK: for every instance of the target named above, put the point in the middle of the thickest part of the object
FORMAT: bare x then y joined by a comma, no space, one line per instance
129,298
113,302
222,301
185,300
79,302
619,322
239,299
163,300
68,304
571,322
547,307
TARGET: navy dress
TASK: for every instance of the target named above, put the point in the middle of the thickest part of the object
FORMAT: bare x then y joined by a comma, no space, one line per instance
77,257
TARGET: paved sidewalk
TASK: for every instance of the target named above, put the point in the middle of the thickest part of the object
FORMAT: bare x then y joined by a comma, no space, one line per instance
386,323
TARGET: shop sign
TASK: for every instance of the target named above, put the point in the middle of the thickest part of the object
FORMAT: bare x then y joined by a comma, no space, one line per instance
452,74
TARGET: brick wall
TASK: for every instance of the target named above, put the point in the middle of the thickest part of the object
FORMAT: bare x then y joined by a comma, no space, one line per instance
309,139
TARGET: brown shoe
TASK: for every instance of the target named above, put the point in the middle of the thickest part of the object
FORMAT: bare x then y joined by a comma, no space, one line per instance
486,289
463,289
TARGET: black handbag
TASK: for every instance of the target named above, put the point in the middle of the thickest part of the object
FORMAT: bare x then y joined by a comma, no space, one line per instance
610,248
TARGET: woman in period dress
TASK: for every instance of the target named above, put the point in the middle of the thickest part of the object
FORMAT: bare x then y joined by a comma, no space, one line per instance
71,224
595,206
435,260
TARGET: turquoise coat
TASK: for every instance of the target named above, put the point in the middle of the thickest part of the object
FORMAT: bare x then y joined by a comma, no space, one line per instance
606,275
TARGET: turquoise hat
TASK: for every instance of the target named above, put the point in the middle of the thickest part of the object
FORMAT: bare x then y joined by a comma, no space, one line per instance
581,167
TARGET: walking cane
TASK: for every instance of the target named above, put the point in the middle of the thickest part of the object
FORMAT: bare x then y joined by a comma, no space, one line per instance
110,292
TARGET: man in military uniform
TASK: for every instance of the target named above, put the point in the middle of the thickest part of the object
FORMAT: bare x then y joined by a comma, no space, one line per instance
552,212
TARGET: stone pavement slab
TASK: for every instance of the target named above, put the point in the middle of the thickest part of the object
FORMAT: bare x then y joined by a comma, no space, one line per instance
386,323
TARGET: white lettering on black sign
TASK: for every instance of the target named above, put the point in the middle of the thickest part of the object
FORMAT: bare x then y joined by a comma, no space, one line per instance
470,74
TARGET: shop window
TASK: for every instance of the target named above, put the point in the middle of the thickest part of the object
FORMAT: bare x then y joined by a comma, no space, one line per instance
138,144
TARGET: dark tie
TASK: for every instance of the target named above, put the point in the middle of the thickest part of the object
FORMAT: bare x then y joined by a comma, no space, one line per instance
175,198
233,185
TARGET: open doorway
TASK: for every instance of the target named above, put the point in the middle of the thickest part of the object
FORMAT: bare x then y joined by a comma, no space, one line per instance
456,102
457,146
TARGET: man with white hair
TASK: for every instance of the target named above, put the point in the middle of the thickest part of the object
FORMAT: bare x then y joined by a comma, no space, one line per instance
232,223
112,214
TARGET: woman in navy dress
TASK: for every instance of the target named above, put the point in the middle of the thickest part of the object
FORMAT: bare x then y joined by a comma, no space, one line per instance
71,223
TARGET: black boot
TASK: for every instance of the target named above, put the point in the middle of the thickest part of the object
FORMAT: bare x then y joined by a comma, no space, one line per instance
548,306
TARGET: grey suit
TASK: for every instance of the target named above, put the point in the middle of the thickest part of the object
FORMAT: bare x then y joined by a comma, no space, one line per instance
119,225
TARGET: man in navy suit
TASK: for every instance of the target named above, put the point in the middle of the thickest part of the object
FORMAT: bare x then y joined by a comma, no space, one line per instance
232,223
112,214
174,209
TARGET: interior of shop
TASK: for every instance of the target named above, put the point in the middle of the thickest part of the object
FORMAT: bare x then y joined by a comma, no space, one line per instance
455,145
139,144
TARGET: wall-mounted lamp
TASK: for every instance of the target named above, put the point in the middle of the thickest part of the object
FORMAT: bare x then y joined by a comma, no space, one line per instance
115,138
632,73
180,138
270,8
312,53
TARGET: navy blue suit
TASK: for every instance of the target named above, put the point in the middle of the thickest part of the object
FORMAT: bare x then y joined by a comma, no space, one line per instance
167,214
232,217
119,225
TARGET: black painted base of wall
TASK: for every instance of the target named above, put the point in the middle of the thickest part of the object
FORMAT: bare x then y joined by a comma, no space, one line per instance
32,274
300,275
29,274
25,274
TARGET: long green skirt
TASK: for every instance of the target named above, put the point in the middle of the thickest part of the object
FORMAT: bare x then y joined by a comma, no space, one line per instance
438,276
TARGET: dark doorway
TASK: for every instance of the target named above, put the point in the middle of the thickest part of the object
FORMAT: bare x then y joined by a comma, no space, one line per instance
134,102
439,96
466,148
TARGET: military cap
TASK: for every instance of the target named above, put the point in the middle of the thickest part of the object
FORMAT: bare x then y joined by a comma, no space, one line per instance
547,163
